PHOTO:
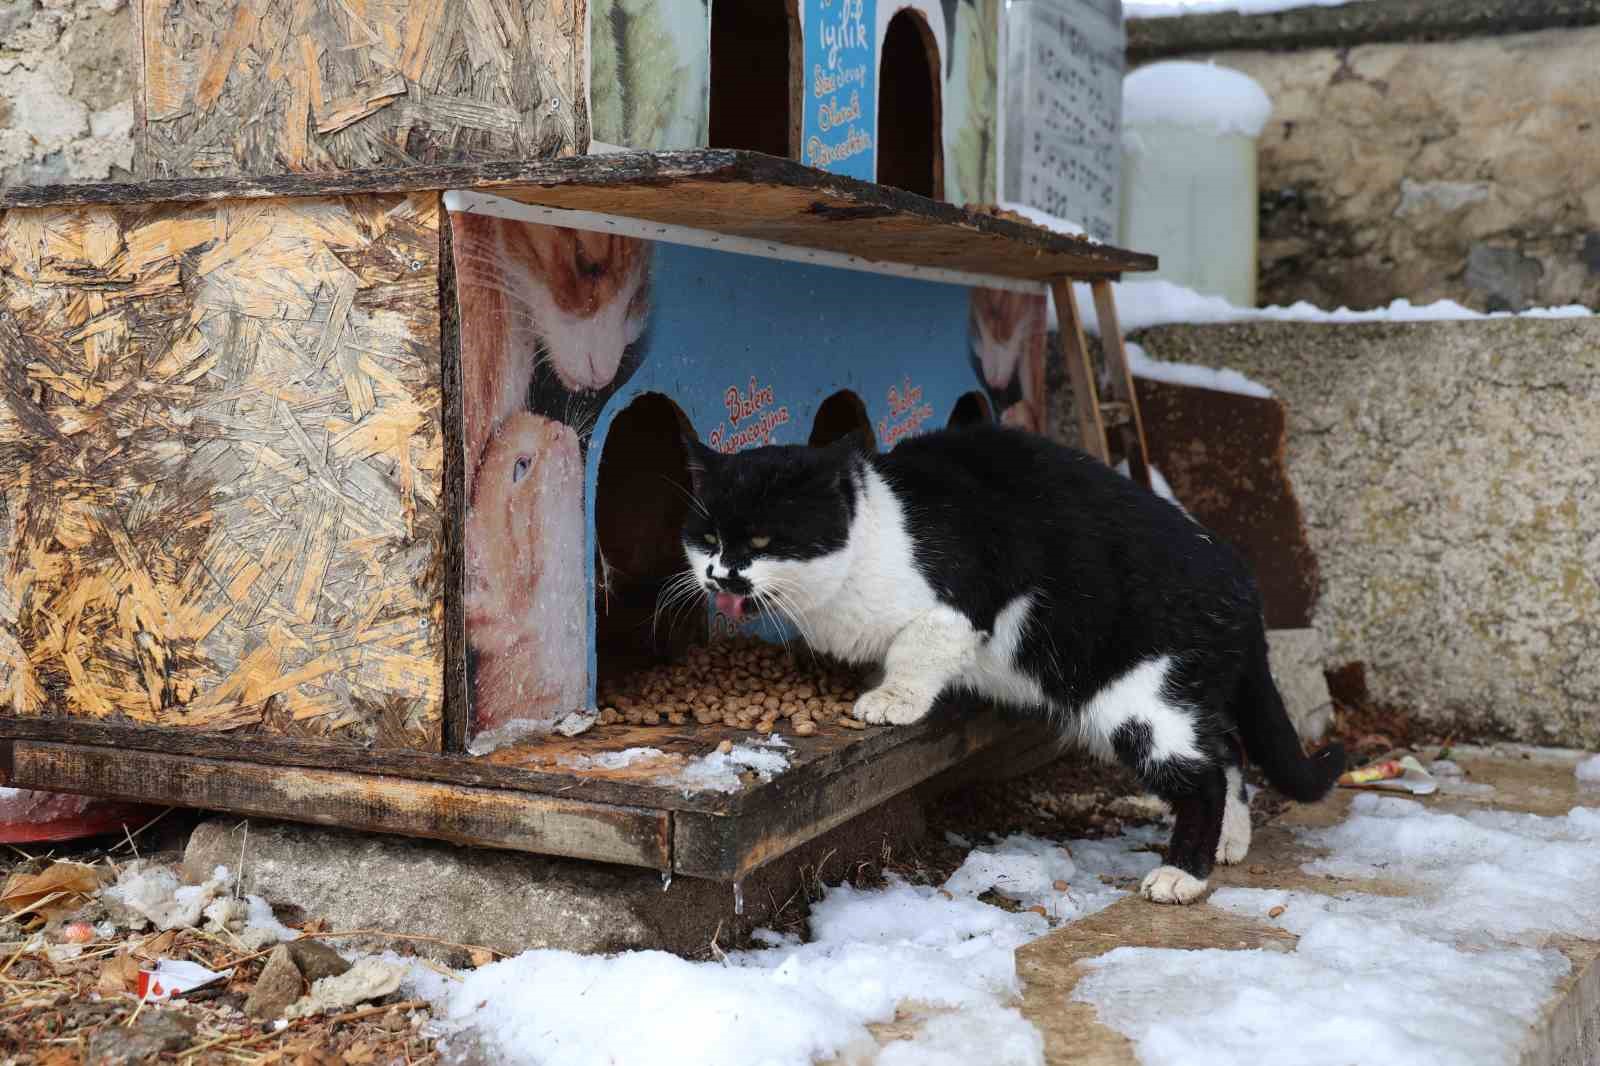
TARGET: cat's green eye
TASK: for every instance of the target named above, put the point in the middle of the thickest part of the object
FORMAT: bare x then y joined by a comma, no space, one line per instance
760,542
711,538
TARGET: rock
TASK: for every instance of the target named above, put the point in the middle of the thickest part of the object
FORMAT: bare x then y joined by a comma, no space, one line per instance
367,980
1223,453
512,902
279,985
1300,670
1447,473
66,84
1386,167
1504,278
151,1034
317,960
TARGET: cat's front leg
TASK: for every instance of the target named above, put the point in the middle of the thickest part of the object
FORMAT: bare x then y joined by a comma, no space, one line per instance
923,658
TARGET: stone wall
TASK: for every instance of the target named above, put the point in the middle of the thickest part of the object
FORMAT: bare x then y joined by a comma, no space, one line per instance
67,80
1466,168
1450,477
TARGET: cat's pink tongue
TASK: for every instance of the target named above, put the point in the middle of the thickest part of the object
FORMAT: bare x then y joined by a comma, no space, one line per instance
731,605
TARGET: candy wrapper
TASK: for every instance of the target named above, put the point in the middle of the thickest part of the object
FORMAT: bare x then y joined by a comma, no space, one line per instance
1395,775
173,977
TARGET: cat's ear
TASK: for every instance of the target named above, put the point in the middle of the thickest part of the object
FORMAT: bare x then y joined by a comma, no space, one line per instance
699,460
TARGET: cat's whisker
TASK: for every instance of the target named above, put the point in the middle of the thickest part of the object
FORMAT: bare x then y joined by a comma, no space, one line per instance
675,596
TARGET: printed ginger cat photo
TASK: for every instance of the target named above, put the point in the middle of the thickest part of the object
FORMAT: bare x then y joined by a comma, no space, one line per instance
1008,343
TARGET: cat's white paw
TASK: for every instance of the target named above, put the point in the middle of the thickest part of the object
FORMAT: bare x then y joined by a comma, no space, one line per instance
882,706
1168,884
1234,843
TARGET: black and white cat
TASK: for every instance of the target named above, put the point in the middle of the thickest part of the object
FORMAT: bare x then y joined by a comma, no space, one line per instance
994,561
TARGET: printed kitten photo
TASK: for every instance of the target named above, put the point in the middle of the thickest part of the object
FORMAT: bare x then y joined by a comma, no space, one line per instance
552,321
994,562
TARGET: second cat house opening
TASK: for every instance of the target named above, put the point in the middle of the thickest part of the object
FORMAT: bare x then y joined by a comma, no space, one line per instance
641,498
841,414
755,76
972,409
910,154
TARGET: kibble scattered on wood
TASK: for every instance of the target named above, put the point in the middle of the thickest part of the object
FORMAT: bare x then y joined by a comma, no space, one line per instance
741,684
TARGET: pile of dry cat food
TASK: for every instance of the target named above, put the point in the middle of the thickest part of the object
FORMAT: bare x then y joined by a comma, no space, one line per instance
742,683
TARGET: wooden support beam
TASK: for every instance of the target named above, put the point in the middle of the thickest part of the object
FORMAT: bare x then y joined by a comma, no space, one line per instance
796,807
1131,431
493,818
1085,400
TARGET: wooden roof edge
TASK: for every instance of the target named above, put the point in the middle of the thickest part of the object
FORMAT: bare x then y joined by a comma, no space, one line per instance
858,199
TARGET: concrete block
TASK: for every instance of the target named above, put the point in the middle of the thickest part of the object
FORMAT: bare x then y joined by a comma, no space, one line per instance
514,902
1297,666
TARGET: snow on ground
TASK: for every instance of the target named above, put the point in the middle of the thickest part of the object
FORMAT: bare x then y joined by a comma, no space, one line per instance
793,1003
1452,974
1153,9
1195,96
1142,304
1588,770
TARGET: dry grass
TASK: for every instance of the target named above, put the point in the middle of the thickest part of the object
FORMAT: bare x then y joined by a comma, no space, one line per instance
58,999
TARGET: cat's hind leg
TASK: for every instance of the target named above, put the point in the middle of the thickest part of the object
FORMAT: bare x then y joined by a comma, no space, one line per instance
1233,844
1198,798
1159,736
924,658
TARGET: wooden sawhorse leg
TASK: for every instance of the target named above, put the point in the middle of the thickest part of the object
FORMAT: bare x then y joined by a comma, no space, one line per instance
1122,412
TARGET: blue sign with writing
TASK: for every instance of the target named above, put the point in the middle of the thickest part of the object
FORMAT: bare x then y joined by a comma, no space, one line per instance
841,76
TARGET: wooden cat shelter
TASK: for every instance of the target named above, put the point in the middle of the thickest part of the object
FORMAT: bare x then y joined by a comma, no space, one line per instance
316,483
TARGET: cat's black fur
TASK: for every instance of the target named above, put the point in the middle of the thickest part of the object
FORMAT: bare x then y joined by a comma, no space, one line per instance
1119,575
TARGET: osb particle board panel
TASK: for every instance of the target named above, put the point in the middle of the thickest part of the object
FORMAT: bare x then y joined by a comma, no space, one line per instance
268,86
744,194
221,466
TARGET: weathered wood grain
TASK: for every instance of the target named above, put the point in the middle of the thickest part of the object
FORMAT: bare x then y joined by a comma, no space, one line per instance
220,467
275,86
720,190
1080,372
1130,429
805,802
832,776
391,762
519,821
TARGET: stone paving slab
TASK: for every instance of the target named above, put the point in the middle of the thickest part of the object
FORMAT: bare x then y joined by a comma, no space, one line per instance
1567,1035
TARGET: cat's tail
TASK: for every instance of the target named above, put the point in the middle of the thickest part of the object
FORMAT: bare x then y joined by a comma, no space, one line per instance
1270,739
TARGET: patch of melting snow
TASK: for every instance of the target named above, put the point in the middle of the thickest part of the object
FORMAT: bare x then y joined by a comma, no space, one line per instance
1452,974
792,1003
1588,771
719,771
612,760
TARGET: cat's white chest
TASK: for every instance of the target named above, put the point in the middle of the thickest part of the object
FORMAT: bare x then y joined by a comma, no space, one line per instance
882,591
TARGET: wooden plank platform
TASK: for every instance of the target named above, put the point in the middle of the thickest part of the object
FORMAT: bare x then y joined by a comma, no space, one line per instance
738,193
545,796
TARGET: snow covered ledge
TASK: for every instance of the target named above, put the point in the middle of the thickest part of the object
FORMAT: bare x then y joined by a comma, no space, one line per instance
1447,470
